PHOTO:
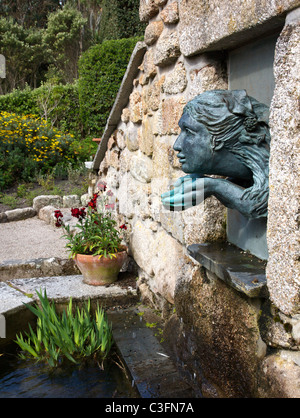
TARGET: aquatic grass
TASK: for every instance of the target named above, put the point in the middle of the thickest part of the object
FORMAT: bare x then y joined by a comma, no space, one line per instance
72,336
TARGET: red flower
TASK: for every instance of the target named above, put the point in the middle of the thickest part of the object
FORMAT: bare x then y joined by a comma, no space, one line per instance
78,213
93,202
123,226
58,214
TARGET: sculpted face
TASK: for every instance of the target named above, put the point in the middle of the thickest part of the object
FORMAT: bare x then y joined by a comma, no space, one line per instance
193,146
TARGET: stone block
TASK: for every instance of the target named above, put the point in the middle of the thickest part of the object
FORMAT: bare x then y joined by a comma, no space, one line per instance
45,200
280,375
167,49
153,32
151,95
148,68
176,81
169,113
3,217
147,10
146,138
131,138
141,168
170,13
161,257
217,335
160,2
84,199
19,214
135,106
46,214
133,197
71,201
120,139
210,77
125,117
230,23
283,235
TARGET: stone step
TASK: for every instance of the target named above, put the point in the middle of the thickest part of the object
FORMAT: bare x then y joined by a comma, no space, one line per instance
38,267
14,294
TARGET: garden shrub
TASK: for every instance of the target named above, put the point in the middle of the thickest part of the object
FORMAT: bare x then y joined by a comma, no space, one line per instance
58,104
29,145
101,69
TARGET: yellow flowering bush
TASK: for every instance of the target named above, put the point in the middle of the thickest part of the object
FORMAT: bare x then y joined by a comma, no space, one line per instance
29,145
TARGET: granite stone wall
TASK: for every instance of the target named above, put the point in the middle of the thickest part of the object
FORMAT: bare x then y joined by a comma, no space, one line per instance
222,336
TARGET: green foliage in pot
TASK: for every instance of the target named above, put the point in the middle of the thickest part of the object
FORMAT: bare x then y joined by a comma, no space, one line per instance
71,336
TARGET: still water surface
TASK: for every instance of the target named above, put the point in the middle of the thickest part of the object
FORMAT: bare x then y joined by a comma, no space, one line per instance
28,379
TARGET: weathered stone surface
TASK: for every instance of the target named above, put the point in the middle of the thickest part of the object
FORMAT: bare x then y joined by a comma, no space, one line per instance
133,197
84,199
131,138
71,201
170,13
148,68
215,332
279,376
120,139
141,243
279,330
45,200
146,139
153,32
121,101
160,2
135,106
167,49
141,168
46,214
176,81
3,217
161,257
112,158
19,214
283,233
125,117
125,158
202,223
169,113
151,95
161,160
148,9
210,77
230,23
40,267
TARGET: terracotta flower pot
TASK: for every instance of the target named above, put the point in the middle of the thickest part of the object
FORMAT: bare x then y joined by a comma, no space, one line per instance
100,271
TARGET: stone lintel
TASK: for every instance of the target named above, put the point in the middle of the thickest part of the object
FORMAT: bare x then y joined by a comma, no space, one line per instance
241,270
231,24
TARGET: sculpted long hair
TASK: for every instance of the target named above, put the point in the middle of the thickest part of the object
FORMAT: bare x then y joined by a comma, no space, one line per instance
239,123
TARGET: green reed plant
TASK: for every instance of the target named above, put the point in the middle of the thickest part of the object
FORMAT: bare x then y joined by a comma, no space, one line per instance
72,336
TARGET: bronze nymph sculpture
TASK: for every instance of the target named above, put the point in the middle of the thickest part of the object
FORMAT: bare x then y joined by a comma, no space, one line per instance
224,133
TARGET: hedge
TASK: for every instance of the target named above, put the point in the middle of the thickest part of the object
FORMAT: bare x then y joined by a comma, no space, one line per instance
101,69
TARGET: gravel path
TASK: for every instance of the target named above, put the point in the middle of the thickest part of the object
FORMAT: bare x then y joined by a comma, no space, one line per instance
30,238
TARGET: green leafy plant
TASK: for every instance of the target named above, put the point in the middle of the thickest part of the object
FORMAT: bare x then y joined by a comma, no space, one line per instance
95,232
71,336
29,145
